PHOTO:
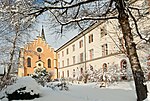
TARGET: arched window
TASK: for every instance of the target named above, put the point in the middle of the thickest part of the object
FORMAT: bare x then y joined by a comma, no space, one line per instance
123,65
49,63
104,67
28,62
124,69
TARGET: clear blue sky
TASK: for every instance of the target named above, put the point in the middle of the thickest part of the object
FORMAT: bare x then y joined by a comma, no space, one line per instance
50,36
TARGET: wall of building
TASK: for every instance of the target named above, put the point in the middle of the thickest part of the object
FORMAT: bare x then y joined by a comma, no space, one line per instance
97,59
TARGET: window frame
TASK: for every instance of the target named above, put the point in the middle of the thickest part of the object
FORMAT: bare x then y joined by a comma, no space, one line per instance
91,54
67,51
90,38
80,43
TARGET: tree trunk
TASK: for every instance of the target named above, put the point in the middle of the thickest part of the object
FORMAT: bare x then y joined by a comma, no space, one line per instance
141,89
12,53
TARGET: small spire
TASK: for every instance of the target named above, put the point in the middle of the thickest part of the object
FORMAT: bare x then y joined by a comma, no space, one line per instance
42,34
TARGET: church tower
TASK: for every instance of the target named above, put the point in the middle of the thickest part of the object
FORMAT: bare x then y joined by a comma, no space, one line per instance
42,34
37,54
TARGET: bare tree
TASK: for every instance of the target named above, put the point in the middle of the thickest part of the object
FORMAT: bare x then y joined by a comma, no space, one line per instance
86,12
12,33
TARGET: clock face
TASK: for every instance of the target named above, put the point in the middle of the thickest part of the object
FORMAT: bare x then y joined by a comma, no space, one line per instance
39,50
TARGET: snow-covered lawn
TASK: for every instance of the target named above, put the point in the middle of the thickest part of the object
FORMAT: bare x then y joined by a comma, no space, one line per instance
121,91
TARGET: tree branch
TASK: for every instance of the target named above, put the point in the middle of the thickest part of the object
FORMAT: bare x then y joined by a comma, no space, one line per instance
136,27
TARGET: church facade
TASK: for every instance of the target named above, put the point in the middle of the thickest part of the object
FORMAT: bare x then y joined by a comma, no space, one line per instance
36,54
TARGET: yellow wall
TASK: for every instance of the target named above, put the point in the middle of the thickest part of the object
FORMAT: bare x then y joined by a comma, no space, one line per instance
30,50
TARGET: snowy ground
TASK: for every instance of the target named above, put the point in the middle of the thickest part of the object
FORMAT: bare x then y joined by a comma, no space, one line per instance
122,91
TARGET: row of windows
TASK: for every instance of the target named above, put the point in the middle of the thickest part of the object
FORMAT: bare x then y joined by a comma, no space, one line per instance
91,55
81,58
29,62
80,45
90,38
74,72
104,68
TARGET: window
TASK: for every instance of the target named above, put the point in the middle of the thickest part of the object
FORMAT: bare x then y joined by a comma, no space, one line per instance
90,38
68,62
39,50
49,63
103,32
39,64
123,65
104,67
73,59
67,73
91,53
67,51
104,50
63,63
123,69
81,44
73,47
81,57
62,53
28,62
74,73
81,70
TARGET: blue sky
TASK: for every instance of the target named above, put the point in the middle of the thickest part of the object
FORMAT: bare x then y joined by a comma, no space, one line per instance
52,41
50,35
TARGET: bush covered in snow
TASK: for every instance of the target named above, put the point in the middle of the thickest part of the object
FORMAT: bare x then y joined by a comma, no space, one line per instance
58,85
24,88
42,76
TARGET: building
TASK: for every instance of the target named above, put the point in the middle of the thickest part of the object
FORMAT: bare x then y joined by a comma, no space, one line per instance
37,54
100,46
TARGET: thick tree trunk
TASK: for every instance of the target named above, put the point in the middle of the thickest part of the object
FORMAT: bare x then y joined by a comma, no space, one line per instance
138,74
